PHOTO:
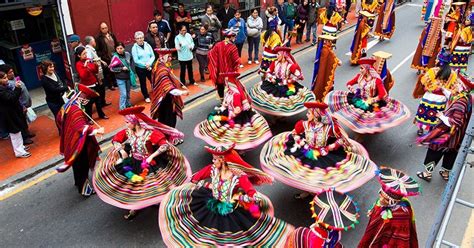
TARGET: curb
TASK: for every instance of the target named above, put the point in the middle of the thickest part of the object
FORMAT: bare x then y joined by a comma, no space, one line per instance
53,162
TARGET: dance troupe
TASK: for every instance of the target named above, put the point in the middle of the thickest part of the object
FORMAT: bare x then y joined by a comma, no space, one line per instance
220,205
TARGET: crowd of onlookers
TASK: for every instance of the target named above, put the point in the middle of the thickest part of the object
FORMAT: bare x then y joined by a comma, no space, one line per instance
102,61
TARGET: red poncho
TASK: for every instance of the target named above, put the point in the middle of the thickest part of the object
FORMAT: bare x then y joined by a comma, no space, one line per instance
223,57
162,82
75,135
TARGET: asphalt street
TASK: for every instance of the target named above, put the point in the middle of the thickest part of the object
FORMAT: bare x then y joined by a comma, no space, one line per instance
52,214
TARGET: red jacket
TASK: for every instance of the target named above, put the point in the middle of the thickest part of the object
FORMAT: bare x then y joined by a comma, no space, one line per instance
87,75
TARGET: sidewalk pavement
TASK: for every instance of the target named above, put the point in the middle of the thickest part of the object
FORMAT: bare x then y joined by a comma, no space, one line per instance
45,149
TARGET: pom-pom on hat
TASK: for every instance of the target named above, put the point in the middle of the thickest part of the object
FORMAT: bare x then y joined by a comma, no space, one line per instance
334,210
229,32
132,110
86,92
164,51
396,183
318,105
366,61
444,56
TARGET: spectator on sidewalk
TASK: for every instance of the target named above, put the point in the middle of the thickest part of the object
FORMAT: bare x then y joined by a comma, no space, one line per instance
348,8
312,25
123,74
155,38
92,55
143,57
280,6
184,44
301,19
25,100
13,116
54,87
211,20
163,27
239,23
106,43
225,14
74,42
167,12
204,42
87,70
290,15
182,18
254,30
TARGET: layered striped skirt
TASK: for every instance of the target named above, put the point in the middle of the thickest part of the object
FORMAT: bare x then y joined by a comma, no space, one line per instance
186,220
374,120
248,130
348,173
116,189
430,105
460,56
280,100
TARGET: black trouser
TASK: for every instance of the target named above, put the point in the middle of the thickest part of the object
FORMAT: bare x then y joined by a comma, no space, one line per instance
98,104
448,156
109,77
348,8
100,89
143,74
220,90
166,115
239,48
80,169
182,74
203,62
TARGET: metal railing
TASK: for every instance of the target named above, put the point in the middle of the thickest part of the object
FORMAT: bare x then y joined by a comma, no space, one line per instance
438,229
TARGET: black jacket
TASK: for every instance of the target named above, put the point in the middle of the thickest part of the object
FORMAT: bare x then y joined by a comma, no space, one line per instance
225,18
53,89
101,48
11,111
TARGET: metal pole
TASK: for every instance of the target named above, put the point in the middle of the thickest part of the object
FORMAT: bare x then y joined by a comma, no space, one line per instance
63,29
448,199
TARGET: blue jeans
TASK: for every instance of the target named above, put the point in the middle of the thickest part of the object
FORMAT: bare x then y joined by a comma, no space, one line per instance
254,43
124,88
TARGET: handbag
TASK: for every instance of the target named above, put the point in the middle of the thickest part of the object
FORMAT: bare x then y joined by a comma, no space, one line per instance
30,115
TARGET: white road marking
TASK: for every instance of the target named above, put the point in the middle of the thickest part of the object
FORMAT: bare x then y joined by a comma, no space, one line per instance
371,44
414,5
403,62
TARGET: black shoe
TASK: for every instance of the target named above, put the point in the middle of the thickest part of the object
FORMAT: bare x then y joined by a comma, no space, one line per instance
27,142
112,88
105,117
107,103
31,135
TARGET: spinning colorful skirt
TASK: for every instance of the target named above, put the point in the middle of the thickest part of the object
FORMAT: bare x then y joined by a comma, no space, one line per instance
344,170
247,130
280,100
361,117
187,219
113,186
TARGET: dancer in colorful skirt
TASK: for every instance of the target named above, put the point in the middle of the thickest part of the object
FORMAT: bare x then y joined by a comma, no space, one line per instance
429,45
223,57
167,103
385,26
392,220
445,139
434,89
227,211
325,64
361,36
317,155
78,144
143,165
270,40
452,20
280,94
331,20
333,212
461,45
366,107
431,8
234,121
